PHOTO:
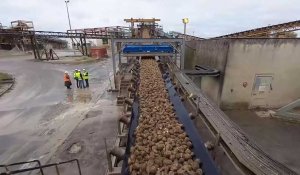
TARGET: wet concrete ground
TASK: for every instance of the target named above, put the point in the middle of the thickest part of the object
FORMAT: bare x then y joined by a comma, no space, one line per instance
39,113
87,141
278,138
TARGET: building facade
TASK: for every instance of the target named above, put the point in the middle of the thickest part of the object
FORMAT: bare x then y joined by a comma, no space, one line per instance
255,73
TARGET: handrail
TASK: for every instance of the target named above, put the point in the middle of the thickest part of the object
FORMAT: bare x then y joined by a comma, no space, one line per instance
39,167
20,163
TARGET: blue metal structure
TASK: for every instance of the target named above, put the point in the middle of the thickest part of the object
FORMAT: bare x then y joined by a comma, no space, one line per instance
164,48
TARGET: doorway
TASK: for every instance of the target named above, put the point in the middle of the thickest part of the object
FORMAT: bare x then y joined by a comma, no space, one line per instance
262,88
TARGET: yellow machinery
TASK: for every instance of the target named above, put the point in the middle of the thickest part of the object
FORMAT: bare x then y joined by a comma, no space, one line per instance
145,29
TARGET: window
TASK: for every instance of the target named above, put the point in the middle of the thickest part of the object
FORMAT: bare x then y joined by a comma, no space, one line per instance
263,83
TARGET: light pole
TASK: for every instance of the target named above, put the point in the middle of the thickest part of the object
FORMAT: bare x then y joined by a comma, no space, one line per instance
68,13
67,1
185,21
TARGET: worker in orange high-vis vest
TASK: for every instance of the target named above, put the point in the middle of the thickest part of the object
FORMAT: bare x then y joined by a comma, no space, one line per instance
67,80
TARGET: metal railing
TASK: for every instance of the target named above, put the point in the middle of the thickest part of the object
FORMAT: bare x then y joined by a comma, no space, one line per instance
39,167
266,31
51,34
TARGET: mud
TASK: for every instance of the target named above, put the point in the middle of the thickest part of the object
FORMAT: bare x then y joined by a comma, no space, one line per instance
100,124
278,138
39,113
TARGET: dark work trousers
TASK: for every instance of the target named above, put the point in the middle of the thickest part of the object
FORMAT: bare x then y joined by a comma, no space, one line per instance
87,83
68,84
77,82
81,84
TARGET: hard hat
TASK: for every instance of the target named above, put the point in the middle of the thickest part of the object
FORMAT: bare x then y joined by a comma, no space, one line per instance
66,72
83,69
76,69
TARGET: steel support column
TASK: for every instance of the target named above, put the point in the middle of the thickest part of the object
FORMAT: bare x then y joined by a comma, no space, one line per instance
119,65
182,48
113,60
81,45
85,47
33,47
119,54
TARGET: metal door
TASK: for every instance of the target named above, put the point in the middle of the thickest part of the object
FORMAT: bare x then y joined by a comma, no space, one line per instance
262,88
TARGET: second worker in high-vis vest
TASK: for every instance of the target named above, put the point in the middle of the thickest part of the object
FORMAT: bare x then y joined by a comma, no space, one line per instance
76,78
85,75
80,79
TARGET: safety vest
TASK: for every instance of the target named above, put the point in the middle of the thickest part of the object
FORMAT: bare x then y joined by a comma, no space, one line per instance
66,77
74,75
78,75
85,75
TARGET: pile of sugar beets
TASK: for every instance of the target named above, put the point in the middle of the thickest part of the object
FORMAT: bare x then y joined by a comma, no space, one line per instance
161,146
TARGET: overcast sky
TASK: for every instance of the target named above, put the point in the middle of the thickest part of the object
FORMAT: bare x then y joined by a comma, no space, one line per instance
207,17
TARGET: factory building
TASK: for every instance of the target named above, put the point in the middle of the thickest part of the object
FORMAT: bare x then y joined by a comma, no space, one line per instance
255,73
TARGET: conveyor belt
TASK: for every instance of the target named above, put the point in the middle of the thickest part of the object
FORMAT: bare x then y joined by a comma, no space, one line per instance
199,149
208,167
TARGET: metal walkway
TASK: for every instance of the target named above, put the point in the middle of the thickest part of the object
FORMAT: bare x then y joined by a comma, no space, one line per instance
50,34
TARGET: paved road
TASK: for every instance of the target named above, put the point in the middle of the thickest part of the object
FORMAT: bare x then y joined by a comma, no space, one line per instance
39,113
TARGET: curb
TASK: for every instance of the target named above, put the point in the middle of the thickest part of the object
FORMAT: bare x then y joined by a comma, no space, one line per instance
9,88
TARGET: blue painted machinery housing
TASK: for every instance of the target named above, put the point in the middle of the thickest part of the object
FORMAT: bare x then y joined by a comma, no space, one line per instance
165,48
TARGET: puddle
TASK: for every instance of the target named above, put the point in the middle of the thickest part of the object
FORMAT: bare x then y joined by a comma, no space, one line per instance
78,96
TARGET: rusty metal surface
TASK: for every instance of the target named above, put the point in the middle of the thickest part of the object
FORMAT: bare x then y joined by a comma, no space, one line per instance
51,34
114,31
266,31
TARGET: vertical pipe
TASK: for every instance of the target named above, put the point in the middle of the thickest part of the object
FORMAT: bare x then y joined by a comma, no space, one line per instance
69,22
132,28
119,65
32,46
119,54
110,168
85,45
182,48
113,60
37,47
68,15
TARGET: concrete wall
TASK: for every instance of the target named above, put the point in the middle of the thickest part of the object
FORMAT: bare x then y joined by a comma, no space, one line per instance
278,58
212,53
240,61
190,52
